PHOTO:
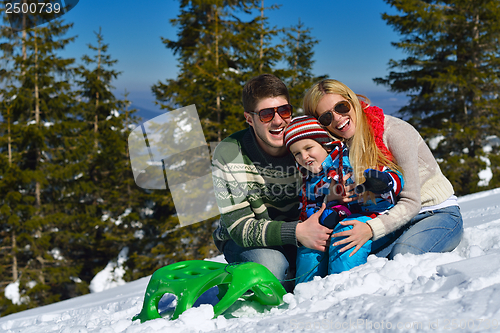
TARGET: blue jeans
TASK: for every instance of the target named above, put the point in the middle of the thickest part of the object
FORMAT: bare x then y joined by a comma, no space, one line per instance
439,230
280,260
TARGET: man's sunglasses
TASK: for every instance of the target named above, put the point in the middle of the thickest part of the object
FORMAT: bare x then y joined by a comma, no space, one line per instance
341,107
266,115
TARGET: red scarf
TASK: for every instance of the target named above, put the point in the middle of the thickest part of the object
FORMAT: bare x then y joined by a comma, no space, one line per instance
375,117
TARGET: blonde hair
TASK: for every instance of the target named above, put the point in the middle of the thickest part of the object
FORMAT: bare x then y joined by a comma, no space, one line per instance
363,150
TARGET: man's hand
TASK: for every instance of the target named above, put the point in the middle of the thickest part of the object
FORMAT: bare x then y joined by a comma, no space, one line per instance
312,234
357,236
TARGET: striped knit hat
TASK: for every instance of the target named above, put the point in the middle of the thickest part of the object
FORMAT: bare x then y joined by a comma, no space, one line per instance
305,127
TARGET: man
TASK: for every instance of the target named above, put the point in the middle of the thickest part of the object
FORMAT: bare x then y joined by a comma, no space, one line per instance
257,186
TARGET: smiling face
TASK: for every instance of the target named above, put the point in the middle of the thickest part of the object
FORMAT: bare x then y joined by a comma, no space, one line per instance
343,125
309,153
269,135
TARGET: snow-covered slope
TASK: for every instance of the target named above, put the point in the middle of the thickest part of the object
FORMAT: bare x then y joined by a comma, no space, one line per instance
450,292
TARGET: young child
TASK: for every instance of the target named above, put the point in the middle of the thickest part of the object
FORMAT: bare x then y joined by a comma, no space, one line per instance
321,161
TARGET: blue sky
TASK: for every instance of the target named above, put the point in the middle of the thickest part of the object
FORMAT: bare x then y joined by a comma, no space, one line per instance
354,42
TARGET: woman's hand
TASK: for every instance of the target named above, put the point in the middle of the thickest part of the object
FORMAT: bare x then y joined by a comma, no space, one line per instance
336,195
357,236
312,234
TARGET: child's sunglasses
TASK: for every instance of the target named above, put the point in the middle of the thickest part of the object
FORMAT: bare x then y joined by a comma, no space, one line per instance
341,107
266,115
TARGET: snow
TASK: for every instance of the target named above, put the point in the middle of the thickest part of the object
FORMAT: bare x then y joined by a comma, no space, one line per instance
434,142
113,113
12,292
56,254
485,175
434,292
111,276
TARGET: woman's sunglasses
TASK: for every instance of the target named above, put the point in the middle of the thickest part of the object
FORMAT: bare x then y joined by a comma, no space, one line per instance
266,115
341,107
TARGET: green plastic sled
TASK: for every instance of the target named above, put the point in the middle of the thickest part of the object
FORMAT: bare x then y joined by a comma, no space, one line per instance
188,280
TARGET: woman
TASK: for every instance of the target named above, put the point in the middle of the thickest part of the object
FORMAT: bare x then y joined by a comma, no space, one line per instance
427,216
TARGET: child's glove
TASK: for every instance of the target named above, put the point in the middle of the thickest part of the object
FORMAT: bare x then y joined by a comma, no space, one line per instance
331,220
377,182
333,215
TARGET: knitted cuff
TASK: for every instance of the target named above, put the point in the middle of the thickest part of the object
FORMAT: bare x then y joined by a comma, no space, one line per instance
378,228
288,233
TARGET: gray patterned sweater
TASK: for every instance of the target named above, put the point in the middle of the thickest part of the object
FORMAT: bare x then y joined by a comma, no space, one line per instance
257,194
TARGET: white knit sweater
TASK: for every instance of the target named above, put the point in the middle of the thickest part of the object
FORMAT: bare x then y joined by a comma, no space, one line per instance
425,185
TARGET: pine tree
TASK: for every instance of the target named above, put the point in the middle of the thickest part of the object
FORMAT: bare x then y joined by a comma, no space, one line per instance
217,53
451,77
37,101
298,76
11,201
105,203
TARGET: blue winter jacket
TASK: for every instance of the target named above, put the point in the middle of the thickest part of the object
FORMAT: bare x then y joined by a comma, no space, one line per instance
312,263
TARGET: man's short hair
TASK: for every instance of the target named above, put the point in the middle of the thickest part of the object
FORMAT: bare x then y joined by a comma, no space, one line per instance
260,87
